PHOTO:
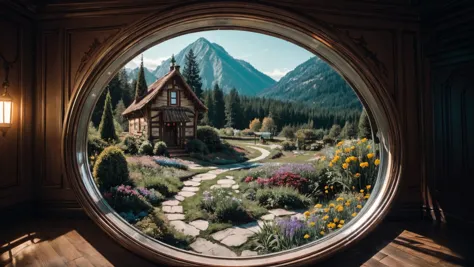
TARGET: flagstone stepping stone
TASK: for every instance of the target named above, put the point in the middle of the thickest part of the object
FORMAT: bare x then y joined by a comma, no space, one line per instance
173,209
196,179
230,177
235,186
174,216
268,217
186,194
191,183
190,189
206,247
248,253
225,181
298,216
185,228
237,191
217,171
170,203
180,198
205,176
281,212
233,237
200,224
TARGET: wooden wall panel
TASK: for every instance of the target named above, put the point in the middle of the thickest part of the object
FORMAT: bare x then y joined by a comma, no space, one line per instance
16,166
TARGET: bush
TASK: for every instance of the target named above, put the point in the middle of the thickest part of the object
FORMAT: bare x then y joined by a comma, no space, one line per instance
275,153
288,146
160,149
328,140
125,199
247,132
95,146
316,146
282,197
209,136
146,148
197,146
164,180
111,168
288,132
152,196
223,207
130,144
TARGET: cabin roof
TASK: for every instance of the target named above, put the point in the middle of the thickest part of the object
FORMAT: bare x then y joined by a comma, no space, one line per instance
158,86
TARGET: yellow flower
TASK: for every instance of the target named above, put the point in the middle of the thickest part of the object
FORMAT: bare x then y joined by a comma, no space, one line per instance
339,226
354,214
306,236
322,233
359,206
377,162
348,203
326,191
364,164
353,147
336,220
340,143
331,225
357,175
340,199
358,142
364,140
332,205
336,158
330,164
326,187
326,210
306,213
341,221
332,187
362,191
370,155
323,158
312,223
353,187
348,160
347,149
92,157
318,206
345,166
325,217
367,196
369,147
340,208
368,186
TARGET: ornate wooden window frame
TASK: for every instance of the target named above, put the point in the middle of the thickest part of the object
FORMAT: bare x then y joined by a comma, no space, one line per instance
339,50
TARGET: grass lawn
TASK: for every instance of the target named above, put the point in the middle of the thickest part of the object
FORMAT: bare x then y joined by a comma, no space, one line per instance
290,157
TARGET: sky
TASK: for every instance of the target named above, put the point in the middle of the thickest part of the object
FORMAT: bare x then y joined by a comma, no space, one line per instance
272,56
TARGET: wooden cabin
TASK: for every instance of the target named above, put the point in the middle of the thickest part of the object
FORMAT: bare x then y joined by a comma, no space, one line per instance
168,112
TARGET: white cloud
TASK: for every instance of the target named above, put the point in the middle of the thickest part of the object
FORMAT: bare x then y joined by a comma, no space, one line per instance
149,63
276,74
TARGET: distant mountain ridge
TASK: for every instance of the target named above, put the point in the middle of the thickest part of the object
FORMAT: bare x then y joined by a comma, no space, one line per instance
216,65
316,83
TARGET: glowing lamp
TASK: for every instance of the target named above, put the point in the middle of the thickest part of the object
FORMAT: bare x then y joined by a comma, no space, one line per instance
6,110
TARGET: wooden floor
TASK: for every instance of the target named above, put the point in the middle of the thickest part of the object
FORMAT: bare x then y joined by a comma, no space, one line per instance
79,242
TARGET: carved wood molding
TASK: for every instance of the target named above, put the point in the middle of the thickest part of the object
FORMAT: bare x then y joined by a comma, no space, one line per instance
367,53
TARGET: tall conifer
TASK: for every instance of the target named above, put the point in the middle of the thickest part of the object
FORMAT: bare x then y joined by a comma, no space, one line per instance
219,107
364,126
191,73
141,86
107,127
232,110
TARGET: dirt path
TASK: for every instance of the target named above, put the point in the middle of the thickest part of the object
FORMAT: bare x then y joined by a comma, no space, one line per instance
264,154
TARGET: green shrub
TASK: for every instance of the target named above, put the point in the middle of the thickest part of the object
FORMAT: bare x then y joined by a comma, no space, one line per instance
210,137
197,146
328,139
231,210
111,168
160,149
275,153
146,148
316,146
95,145
287,145
282,197
130,144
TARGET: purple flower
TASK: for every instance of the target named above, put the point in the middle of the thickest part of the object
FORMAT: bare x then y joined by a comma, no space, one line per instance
290,226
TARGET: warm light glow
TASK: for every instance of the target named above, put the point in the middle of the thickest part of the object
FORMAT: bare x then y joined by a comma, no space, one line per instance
6,112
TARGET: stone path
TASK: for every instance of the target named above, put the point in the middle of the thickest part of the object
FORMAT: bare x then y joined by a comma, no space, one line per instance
231,237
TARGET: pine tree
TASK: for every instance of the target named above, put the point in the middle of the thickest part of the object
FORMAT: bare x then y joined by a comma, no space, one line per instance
364,126
106,127
209,102
232,109
127,89
348,131
219,107
335,131
119,109
191,73
141,86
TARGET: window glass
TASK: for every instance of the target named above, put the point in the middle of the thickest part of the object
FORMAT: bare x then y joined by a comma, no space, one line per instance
173,98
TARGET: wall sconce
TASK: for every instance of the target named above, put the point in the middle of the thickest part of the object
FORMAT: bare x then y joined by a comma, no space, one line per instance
6,102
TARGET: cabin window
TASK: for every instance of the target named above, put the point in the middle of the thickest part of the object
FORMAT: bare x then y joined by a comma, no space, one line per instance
173,98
